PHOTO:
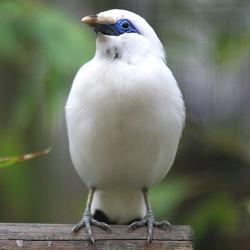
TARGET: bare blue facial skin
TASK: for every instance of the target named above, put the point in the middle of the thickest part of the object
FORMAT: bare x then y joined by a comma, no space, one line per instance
120,27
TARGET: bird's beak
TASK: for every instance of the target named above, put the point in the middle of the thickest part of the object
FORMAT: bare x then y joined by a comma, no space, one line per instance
101,24
91,20
95,20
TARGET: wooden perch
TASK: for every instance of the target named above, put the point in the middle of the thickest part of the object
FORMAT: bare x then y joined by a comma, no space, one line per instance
59,236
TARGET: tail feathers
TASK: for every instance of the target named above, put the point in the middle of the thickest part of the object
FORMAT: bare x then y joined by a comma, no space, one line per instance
118,206
102,217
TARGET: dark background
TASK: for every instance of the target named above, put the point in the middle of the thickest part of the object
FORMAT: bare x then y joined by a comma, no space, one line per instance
42,45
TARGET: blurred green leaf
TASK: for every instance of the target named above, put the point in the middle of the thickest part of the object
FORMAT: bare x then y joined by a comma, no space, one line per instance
43,48
231,47
8,161
217,212
166,196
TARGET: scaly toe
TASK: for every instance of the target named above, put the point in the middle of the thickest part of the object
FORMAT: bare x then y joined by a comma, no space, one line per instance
150,222
137,224
163,224
102,225
78,226
86,222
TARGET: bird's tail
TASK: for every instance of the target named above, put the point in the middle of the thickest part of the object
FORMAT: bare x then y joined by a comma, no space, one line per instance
119,206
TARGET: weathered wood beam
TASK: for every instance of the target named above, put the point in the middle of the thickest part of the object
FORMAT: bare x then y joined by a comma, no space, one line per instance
59,236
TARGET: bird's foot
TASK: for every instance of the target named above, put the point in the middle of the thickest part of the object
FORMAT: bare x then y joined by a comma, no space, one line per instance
150,222
86,222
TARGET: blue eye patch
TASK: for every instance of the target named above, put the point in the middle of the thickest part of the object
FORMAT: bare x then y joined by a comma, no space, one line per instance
120,27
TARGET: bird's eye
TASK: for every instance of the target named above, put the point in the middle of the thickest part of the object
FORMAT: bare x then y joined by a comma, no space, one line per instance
125,25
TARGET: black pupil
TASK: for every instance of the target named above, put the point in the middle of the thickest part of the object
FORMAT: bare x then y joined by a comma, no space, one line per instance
125,25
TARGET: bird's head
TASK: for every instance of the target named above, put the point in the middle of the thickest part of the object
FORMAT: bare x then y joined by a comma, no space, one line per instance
124,35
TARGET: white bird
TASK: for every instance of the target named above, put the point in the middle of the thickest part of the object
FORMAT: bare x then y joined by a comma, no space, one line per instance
125,115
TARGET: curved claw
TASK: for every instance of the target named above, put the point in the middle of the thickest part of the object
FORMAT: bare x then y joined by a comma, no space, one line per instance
78,226
102,225
150,235
150,222
163,224
137,224
86,222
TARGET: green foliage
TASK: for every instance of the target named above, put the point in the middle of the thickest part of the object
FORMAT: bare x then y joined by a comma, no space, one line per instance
9,161
41,49
44,49
231,47
218,212
168,195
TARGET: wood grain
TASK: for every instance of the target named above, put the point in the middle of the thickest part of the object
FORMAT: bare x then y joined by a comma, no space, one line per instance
59,236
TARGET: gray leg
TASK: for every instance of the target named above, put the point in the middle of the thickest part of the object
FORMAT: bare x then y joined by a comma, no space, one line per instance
149,220
87,219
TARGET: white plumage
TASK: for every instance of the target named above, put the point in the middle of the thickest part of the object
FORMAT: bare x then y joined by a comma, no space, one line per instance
125,115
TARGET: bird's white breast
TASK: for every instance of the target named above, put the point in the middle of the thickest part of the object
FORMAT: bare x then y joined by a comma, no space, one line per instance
124,122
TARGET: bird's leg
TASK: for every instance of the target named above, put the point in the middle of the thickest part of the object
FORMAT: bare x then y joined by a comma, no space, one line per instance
87,219
149,219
